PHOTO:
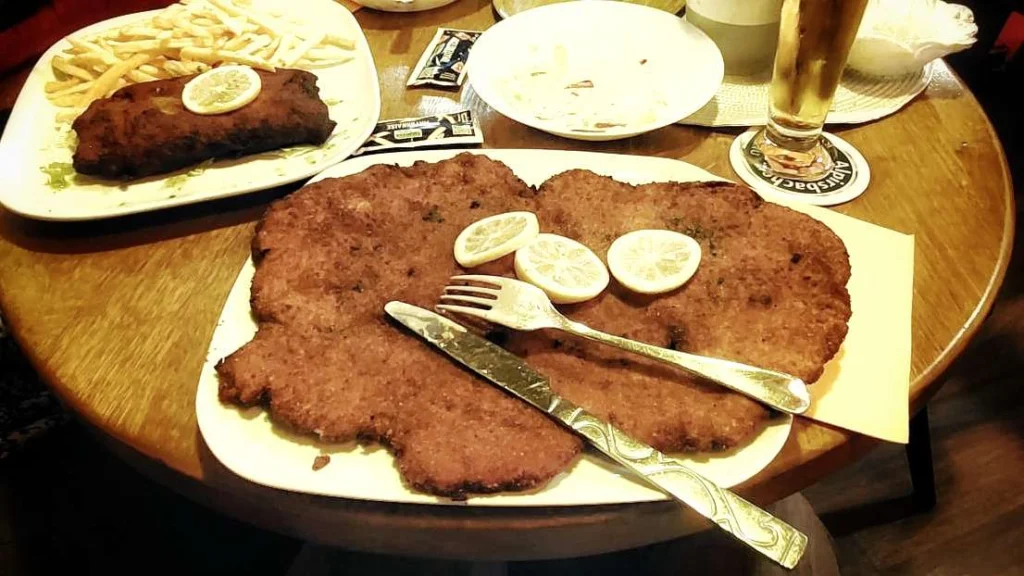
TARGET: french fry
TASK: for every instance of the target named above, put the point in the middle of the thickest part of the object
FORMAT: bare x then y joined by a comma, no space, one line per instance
325,63
183,23
87,47
213,56
188,67
67,101
282,48
266,22
236,26
58,85
91,60
228,7
76,89
71,70
187,38
149,31
340,42
151,70
163,22
108,80
305,46
270,49
255,44
176,68
107,52
155,46
236,43
139,76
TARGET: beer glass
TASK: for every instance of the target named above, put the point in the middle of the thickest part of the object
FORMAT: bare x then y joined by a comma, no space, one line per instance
815,37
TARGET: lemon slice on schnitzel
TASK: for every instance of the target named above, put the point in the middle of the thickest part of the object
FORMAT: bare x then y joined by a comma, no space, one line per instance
653,261
221,90
567,271
494,237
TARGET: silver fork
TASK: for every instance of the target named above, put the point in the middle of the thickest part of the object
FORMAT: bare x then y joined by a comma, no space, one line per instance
523,306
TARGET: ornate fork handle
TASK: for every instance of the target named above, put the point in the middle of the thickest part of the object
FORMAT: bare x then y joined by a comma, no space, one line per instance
776,389
746,522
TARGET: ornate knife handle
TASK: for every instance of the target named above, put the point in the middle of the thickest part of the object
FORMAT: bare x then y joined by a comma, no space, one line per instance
746,522
781,391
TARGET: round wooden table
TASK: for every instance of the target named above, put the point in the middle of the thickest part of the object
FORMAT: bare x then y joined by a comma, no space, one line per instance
117,315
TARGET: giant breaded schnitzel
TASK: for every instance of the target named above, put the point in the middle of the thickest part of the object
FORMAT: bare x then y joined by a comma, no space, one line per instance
769,291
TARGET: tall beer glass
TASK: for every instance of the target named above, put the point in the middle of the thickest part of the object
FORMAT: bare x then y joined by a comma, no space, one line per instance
815,37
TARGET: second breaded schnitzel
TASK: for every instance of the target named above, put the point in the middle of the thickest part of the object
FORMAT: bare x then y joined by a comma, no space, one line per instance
145,129
770,291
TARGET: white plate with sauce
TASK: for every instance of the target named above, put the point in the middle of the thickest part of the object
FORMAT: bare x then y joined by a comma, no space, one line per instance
617,71
36,150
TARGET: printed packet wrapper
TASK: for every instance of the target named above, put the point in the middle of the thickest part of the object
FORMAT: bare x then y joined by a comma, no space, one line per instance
443,63
458,128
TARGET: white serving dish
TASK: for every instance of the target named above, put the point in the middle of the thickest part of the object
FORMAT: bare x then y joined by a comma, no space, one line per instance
246,442
649,68
900,37
33,140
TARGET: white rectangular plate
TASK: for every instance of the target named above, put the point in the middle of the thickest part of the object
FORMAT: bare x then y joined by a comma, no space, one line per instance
251,446
33,138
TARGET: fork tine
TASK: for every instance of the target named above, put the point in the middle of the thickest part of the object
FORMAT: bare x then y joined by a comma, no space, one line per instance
463,310
468,299
472,289
495,280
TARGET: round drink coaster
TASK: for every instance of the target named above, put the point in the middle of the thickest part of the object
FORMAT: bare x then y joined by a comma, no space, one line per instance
848,180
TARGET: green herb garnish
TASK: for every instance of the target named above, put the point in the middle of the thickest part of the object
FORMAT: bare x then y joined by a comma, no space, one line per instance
58,174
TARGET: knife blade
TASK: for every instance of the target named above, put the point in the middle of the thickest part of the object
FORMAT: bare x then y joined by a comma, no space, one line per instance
749,524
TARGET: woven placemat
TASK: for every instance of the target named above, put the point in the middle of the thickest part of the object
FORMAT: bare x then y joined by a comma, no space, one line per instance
744,101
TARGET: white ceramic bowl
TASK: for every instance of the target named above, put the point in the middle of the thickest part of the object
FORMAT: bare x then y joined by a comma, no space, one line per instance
900,37
648,69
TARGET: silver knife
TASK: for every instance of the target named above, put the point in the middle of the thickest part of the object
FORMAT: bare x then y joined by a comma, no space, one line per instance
746,522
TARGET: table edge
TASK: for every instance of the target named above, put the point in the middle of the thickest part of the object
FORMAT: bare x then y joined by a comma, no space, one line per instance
922,388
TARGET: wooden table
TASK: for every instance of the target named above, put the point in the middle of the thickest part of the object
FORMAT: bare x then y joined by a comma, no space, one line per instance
117,315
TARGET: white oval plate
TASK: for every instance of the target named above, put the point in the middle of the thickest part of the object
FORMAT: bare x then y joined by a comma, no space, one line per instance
33,139
649,69
250,445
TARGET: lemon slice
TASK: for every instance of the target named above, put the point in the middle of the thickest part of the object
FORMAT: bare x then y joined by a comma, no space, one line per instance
653,261
566,270
494,237
221,90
